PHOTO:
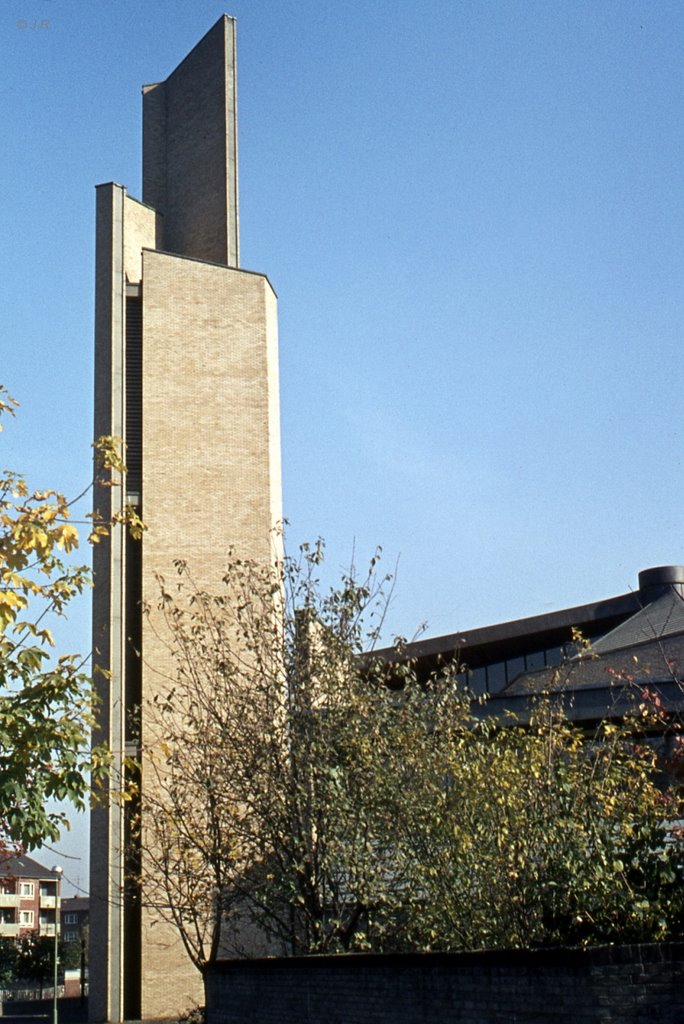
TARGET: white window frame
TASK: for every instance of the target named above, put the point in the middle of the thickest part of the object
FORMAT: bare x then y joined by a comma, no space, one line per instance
28,890
70,918
26,918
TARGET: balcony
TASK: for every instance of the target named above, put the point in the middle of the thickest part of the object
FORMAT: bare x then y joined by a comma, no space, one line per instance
9,899
48,902
8,930
47,929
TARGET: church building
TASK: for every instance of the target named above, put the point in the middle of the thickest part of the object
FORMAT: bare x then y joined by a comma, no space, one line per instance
186,373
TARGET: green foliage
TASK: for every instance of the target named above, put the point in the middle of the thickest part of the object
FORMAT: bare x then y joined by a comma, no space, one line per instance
45,702
295,781
35,959
537,835
8,962
195,1015
70,955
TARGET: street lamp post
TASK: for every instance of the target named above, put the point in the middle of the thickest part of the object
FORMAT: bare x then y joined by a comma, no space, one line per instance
58,870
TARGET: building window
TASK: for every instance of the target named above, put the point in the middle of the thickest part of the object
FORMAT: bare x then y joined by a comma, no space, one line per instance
27,889
71,919
478,680
26,918
514,667
554,656
70,936
534,661
496,676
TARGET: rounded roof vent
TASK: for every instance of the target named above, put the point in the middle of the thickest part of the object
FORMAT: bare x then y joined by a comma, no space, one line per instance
661,576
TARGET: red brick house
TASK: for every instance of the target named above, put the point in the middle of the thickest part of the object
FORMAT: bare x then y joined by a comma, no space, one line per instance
29,897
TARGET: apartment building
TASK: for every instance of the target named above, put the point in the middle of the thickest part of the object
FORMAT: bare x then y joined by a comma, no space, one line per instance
75,910
30,896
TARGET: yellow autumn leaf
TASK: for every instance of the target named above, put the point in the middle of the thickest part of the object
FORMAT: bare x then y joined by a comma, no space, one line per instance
67,537
10,603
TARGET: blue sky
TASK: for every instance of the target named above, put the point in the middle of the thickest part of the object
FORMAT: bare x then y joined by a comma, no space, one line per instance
471,212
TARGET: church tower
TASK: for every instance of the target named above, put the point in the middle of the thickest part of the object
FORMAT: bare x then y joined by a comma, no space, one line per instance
186,372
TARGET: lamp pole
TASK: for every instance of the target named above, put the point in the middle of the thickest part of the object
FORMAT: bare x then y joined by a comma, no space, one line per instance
58,871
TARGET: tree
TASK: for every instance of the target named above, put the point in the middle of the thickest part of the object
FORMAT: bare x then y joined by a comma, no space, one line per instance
8,961
45,702
35,959
297,784
75,950
537,834
257,760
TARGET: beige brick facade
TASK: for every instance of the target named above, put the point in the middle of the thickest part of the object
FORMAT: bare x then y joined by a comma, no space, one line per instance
186,371
190,172
210,421
209,412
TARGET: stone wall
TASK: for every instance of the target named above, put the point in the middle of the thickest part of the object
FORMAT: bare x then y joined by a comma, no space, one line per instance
605,985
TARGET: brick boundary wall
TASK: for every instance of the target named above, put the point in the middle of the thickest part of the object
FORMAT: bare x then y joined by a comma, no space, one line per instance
639,984
31,1011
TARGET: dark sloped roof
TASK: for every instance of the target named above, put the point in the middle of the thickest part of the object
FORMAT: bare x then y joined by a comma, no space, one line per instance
505,639
23,866
76,904
661,618
660,659
646,647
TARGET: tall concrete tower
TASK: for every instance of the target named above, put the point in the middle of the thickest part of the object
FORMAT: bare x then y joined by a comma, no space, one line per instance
186,372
